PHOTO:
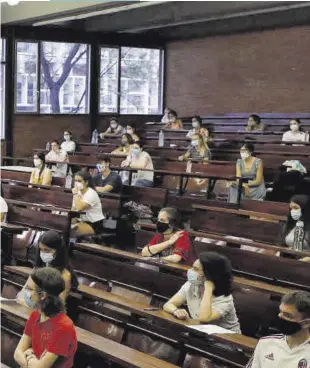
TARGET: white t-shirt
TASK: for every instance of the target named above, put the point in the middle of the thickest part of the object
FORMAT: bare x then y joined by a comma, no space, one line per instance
224,305
94,212
274,352
142,175
68,146
3,207
289,136
59,170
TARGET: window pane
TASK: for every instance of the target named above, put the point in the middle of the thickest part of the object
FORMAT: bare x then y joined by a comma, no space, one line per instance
108,79
141,81
2,89
64,78
26,77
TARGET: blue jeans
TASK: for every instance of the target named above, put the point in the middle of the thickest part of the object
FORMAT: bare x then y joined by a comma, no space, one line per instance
144,183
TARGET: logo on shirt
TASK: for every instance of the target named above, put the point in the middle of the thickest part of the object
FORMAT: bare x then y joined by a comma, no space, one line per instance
271,357
302,363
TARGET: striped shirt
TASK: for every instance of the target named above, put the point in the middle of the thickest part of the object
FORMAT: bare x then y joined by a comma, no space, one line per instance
197,156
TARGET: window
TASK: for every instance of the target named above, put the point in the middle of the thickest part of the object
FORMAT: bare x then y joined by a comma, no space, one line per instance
26,77
140,83
2,87
109,64
61,80
64,77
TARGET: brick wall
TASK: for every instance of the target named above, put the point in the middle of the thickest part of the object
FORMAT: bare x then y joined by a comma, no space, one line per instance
33,131
266,71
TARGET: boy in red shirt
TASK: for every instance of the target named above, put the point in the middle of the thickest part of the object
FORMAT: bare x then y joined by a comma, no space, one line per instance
170,244
49,338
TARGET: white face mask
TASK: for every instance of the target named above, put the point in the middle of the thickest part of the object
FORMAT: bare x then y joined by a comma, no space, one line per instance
296,214
195,124
47,257
67,137
129,131
294,127
172,120
79,186
244,155
113,126
36,162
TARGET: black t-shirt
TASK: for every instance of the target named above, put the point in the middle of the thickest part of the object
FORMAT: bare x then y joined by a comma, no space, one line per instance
112,179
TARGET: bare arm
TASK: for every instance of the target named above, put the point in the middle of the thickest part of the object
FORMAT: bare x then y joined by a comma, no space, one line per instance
184,157
78,204
141,165
259,176
47,360
23,345
105,189
67,279
206,313
157,248
173,258
172,307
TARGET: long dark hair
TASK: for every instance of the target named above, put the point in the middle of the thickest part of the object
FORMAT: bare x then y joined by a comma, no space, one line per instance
129,138
86,177
50,281
304,202
54,240
217,268
41,156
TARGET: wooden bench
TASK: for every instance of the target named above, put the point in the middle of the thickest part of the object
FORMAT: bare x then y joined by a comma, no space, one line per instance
136,308
91,344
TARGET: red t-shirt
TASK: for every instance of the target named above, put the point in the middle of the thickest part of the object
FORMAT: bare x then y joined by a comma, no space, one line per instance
56,335
182,247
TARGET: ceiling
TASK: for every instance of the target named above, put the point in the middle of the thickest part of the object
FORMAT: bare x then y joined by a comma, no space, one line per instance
172,20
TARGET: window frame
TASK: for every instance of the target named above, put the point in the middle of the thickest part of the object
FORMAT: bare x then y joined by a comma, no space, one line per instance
161,80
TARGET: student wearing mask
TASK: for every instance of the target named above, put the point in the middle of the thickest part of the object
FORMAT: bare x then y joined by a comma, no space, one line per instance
165,118
40,174
291,348
52,252
199,150
114,129
197,129
295,134
171,244
86,199
107,180
49,338
207,293
139,159
125,148
68,145
174,123
254,123
57,155
296,231
250,167
130,129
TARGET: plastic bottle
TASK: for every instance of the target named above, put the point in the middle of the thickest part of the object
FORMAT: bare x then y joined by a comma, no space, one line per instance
94,138
189,166
68,183
48,146
161,139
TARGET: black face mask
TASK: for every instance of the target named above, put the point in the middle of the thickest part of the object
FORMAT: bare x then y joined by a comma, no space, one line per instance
161,227
287,327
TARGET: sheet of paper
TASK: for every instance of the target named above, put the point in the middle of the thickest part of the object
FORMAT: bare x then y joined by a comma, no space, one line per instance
211,329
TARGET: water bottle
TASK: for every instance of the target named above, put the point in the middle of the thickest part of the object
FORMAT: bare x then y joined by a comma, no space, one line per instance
48,146
307,137
94,138
161,139
189,166
68,183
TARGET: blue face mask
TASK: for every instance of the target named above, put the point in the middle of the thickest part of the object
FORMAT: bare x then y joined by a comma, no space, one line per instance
193,277
99,168
28,301
195,143
135,151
